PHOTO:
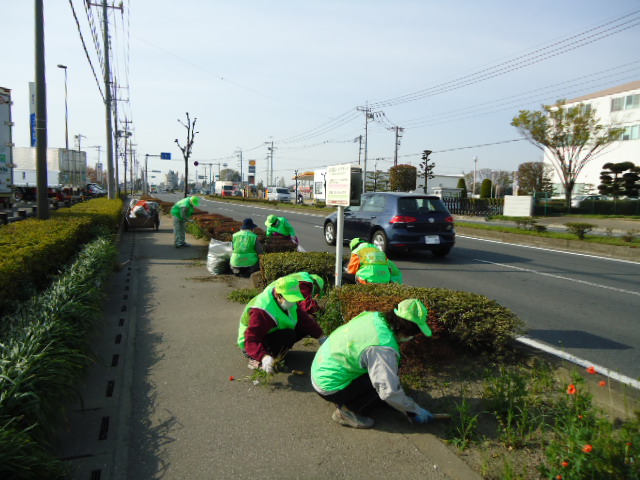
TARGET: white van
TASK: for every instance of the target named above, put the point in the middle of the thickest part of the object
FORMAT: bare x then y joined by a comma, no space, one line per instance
279,194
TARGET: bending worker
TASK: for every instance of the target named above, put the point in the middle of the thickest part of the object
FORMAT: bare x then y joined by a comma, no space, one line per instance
280,227
272,323
369,264
311,287
181,212
358,364
246,248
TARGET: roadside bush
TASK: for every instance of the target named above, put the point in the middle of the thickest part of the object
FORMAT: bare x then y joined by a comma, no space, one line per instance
579,229
472,321
276,265
33,250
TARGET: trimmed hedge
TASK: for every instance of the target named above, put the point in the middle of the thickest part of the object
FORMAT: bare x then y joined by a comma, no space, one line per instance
472,321
33,250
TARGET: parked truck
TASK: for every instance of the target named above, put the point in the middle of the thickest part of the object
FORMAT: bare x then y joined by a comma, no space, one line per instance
6,148
66,172
225,189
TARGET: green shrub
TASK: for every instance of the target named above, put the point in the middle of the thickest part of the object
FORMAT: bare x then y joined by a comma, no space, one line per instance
33,250
580,229
470,320
276,265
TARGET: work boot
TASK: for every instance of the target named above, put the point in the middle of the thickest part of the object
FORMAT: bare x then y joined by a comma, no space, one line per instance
346,417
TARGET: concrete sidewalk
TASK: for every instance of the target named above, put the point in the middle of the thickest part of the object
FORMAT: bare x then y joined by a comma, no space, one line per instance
167,354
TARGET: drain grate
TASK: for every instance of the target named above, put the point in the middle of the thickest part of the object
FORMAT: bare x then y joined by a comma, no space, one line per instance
96,474
118,338
114,360
121,322
104,429
110,387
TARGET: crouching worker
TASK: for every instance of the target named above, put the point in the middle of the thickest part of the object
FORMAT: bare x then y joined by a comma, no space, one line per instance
311,287
358,364
272,323
369,264
246,248
280,227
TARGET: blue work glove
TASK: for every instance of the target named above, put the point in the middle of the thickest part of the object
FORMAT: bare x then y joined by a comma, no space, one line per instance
322,339
423,416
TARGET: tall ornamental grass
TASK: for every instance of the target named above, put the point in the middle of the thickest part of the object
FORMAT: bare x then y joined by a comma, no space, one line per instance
43,356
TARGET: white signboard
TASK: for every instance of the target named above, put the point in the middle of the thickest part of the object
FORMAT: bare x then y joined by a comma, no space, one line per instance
339,185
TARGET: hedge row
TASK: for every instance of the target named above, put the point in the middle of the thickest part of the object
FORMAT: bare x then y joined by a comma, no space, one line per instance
33,250
43,357
474,322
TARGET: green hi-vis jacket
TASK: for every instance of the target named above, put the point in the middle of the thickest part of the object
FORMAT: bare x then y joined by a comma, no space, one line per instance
337,362
283,228
182,209
373,264
266,301
244,249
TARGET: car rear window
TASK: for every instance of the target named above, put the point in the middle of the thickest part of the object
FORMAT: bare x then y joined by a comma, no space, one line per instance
417,205
282,190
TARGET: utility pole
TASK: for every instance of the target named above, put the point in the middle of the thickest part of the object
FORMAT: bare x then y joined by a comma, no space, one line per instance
74,180
270,163
475,171
398,137
239,151
41,114
368,116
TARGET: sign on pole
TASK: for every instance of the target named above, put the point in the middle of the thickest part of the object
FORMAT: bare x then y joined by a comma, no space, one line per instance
165,155
338,185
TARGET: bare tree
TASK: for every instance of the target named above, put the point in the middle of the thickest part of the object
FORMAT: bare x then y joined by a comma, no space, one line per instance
186,149
571,135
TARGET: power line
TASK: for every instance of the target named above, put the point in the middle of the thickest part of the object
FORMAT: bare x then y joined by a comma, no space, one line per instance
620,24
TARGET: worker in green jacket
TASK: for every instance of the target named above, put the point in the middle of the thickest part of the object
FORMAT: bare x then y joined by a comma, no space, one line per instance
246,249
358,364
182,211
280,227
369,264
272,323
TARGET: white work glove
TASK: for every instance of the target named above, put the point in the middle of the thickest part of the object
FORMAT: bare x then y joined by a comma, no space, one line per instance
267,364
322,339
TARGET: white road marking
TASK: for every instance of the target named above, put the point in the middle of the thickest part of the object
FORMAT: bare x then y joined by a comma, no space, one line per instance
559,277
579,361
549,249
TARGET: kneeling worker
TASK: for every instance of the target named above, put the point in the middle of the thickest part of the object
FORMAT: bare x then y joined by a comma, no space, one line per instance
272,323
358,364
246,248
369,264
280,227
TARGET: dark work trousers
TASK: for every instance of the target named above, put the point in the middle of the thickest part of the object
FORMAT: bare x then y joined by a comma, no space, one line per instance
280,342
357,396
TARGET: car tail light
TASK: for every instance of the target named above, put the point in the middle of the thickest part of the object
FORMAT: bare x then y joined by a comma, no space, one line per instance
449,219
403,219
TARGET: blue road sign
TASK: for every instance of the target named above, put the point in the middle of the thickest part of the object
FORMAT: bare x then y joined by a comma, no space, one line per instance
165,156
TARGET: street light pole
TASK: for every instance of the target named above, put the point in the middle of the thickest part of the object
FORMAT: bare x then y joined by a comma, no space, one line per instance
66,109
475,171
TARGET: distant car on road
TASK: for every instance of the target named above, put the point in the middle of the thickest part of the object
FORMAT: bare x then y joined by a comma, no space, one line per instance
279,194
576,201
396,220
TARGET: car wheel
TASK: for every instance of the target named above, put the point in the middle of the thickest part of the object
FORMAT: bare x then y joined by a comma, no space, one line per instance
330,233
441,252
379,239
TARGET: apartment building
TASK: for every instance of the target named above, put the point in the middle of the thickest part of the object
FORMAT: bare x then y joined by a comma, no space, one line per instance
619,106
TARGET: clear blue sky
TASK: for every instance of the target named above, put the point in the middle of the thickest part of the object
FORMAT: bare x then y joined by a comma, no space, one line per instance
452,74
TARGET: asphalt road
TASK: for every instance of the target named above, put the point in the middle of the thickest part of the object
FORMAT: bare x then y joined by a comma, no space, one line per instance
586,306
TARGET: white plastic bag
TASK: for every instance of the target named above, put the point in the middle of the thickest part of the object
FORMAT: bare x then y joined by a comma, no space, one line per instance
218,257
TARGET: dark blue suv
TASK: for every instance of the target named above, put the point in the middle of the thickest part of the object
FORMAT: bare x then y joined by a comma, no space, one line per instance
396,220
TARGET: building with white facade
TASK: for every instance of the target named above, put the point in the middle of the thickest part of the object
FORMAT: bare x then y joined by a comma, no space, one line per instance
618,106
